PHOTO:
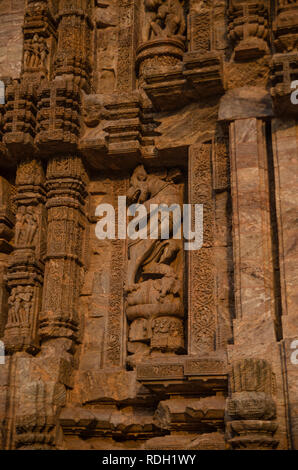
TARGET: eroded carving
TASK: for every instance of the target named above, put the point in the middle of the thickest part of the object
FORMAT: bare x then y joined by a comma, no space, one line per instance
26,226
155,272
20,305
164,18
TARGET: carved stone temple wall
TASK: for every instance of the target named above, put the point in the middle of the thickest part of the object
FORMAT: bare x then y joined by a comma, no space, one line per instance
140,344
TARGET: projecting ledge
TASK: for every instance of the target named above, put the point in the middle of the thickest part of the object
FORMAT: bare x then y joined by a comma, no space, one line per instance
246,102
185,375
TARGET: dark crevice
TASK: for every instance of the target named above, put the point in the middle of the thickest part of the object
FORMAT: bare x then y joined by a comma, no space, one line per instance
274,234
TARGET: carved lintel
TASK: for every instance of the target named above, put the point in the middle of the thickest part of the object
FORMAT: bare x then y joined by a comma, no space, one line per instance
190,374
166,89
119,130
196,415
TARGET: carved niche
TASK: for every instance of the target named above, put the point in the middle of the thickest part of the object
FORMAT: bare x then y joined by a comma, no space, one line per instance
154,283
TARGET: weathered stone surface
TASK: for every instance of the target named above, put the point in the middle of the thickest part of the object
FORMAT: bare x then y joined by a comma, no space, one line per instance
246,102
116,343
11,38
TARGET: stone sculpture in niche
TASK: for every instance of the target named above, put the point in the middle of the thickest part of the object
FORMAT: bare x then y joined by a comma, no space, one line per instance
248,28
26,226
35,53
164,18
154,290
162,49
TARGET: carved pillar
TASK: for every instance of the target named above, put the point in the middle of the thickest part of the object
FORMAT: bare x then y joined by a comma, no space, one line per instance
25,270
248,28
58,128
7,220
285,149
74,40
201,302
59,101
26,265
254,286
251,409
66,189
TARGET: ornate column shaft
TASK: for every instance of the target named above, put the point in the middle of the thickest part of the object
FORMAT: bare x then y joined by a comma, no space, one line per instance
44,118
74,34
25,270
59,126
285,149
66,190
59,101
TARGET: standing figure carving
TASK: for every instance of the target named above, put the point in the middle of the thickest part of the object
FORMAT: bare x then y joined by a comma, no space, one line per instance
154,284
35,53
26,226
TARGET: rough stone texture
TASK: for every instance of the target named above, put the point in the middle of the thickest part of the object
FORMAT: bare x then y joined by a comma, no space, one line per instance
120,344
11,38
